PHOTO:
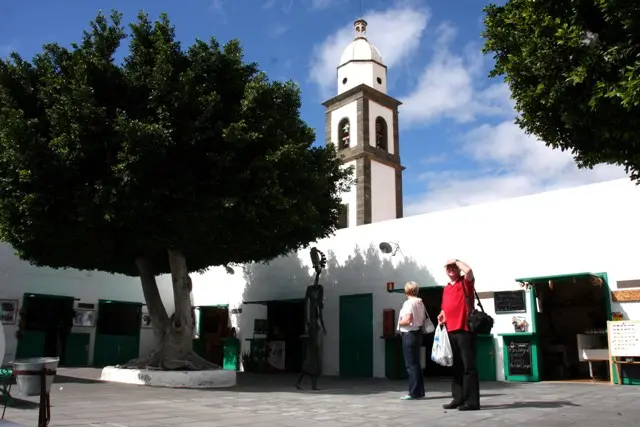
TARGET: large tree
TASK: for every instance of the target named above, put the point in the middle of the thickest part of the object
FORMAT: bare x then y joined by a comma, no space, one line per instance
573,67
169,161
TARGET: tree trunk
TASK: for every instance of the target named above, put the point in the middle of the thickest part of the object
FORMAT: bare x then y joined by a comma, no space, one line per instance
157,310
174,334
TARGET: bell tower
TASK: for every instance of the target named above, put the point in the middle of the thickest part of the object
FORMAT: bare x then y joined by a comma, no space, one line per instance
362,121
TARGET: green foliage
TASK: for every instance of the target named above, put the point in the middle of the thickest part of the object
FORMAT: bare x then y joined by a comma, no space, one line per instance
102,162
573,67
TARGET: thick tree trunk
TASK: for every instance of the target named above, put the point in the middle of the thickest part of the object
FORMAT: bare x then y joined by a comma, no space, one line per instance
157,311
174,335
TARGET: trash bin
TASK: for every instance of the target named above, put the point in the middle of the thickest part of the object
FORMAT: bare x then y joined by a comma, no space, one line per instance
231,352
28,373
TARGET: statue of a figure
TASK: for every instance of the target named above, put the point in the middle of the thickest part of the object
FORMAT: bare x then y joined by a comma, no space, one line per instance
314,324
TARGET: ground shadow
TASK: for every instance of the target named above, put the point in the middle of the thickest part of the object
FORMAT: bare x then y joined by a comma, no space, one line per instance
18,403
68,379
437,389
552,404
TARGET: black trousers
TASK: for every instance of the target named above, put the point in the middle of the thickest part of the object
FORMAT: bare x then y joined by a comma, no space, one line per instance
411,342
465,388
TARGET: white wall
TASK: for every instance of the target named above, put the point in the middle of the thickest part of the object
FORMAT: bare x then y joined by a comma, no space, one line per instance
349,111
358,73
376,110
18,277
383,192
582,229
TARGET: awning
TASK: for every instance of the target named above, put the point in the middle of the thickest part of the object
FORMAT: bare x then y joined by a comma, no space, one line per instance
591,276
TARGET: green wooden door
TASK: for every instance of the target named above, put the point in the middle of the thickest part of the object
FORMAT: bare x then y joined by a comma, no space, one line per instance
117,332
356,335
486,358
40,311
112,350
77,349
31,344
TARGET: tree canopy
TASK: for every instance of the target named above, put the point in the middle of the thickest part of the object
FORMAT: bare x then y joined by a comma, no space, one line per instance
573,67
104,161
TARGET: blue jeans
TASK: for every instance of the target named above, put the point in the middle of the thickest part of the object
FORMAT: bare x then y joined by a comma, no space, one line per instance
411,342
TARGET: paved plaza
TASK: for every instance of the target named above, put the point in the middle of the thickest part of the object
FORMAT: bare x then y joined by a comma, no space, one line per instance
271,400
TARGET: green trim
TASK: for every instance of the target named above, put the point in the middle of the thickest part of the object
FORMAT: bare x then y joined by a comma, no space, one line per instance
534,311
558,276
517,334
111,301
401,290
212,306
290,300
49,296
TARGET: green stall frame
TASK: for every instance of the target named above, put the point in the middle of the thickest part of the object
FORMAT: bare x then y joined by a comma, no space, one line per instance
532,337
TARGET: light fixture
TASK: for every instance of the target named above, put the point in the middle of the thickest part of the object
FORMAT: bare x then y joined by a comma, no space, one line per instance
228,269
389,248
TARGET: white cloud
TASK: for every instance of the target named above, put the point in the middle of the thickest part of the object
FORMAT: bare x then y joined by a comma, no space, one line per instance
396,32
448,86
508,163
500,160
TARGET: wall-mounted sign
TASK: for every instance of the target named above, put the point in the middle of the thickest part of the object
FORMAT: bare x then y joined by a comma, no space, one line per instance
510,302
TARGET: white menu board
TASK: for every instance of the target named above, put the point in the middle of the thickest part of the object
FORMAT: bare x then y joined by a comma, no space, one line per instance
624,338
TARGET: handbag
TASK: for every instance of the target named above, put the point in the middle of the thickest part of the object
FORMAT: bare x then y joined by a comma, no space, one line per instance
427,326
479,322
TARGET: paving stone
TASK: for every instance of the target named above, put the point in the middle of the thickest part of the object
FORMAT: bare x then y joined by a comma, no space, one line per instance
272,401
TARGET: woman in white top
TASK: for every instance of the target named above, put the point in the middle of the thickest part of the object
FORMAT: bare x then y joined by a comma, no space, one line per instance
410,324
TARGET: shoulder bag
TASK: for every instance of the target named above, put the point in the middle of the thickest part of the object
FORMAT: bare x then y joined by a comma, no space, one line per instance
479,322
427,326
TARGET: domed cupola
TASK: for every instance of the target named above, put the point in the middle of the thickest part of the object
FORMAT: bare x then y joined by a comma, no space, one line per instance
361,63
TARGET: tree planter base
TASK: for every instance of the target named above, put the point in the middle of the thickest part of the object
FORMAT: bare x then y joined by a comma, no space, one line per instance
216,378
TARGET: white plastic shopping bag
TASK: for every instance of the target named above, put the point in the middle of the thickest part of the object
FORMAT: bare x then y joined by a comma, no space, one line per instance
441,351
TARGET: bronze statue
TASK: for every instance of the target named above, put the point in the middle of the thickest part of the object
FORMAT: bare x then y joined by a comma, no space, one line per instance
314,324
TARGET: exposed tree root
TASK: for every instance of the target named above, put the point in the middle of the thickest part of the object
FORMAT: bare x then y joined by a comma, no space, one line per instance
155,361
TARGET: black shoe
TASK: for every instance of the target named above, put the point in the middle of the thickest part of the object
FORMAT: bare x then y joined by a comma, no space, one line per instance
468,408
452,405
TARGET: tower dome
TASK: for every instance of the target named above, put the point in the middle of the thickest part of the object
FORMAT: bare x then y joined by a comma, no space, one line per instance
361,63
360,49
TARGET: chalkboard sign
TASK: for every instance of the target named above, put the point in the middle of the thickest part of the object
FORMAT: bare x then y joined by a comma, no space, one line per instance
509,302
519,356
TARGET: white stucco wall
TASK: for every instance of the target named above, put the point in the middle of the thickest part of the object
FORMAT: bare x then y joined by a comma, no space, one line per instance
18,277
383,192
358,73
582,229
349,111
376,110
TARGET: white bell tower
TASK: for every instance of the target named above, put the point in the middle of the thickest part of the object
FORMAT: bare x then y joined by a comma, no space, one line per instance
362,121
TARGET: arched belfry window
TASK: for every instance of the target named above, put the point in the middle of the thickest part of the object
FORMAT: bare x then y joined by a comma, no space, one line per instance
381,134
344,134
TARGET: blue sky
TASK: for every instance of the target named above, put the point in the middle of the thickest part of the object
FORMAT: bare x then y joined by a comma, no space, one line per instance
457,141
